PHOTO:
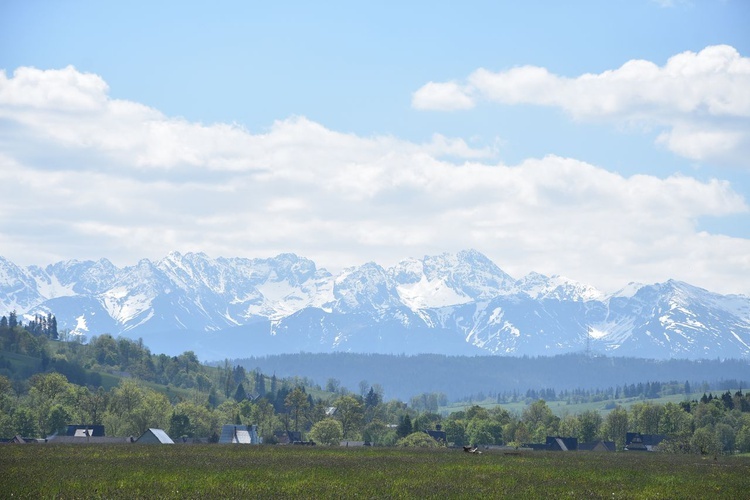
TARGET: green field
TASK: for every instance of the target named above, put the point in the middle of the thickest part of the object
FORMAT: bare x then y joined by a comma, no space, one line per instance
218,471
562,408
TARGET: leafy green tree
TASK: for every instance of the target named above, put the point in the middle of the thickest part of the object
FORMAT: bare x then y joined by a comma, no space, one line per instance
154,411
743,439
540,421
521,435
477,411
327,432
647,417
708,413
203,422
296,402
24,422
425,421
705,442
349,411
263,415
57,419
375,432
726,436
455,431
47,391
676,422
418,440
590,423
92,406
569,425
179,425
616,426
486,432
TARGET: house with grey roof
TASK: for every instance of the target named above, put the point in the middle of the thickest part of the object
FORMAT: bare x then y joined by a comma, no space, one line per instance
154,436
597,446
239,434
557,443
635,441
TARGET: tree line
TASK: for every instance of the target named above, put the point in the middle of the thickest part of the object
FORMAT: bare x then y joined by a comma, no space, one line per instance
120,384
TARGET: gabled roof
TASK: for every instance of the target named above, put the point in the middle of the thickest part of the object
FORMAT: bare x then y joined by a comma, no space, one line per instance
234,434
562,443
597,446
154,436
635,441
85,430
237,434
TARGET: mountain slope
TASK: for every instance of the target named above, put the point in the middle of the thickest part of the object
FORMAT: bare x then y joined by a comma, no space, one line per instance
444,304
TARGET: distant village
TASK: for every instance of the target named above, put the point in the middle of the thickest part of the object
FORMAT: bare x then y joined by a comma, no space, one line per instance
248,435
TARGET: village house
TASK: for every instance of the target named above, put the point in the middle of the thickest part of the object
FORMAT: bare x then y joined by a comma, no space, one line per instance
154,436
239,434
635,441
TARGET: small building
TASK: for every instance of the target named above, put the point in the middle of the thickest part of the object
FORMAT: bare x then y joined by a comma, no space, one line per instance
557,443
57,439
554,443
85,431
18,439
535,446
597,446
635,441
154,436
239,434
287,437
438,434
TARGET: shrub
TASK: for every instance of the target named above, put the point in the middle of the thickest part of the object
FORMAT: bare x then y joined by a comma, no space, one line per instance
418,440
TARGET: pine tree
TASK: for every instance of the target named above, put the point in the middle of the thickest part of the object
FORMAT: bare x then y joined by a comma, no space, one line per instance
240,394
12,320
404,427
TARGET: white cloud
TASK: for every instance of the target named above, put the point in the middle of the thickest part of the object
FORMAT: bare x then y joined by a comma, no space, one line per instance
447,96
94,176
704,93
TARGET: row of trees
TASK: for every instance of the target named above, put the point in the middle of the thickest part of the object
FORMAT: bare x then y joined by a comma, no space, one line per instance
187,398
647,390
714,424
40,325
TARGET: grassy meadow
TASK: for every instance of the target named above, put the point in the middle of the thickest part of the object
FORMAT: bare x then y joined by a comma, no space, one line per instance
218,471
562,408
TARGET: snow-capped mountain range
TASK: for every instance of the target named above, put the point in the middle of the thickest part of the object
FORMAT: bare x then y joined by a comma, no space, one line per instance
444,304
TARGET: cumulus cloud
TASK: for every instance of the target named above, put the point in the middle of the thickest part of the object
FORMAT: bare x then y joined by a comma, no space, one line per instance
442,96
94,176
701,99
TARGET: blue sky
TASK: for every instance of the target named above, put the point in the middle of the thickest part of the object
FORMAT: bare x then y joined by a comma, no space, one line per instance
333,131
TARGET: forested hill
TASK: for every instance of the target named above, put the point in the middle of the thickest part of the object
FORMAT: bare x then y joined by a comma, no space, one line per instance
459,376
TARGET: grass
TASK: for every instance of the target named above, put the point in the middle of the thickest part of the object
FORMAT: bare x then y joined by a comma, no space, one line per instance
217,471
562,408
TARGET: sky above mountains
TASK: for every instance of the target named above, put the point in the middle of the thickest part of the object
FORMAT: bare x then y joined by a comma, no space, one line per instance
604,141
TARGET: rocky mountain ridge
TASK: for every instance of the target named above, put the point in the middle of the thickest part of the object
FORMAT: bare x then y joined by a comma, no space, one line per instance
446,304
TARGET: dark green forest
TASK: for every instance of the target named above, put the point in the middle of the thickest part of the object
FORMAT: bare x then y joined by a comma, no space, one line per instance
503,378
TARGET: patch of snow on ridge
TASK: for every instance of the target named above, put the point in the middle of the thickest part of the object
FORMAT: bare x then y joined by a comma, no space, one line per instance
629,290
539,286
53,288
81,326
426,293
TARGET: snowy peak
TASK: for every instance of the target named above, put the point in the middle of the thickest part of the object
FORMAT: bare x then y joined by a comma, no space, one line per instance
367,287
447,279
445,303
539,286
